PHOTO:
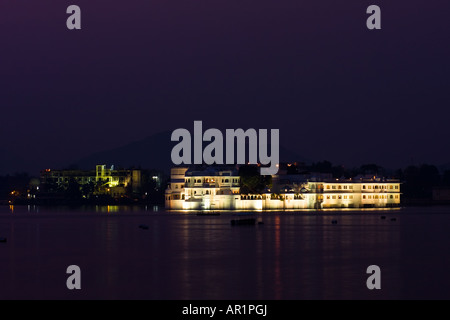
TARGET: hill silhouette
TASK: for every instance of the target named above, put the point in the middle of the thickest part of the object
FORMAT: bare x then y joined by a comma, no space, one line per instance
152,152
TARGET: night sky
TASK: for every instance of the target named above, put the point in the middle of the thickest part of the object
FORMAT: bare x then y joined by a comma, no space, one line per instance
312,69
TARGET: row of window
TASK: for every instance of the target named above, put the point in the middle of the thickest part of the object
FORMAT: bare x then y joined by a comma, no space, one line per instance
381,196
345,187
212,180
346,197
391,187
339,187
207,192
376,196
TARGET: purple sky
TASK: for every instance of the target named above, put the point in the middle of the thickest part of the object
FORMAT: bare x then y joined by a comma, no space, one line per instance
335,90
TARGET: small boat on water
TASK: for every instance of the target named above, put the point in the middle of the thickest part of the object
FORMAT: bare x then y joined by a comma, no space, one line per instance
243,222
208,214
244,214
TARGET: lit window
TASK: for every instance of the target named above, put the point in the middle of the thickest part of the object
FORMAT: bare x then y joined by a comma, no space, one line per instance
351,197
364,186
339,197
350,187
328,197
328,186
364,196
339,187
390,187
345,187
334,187
345,197
392,197
334,197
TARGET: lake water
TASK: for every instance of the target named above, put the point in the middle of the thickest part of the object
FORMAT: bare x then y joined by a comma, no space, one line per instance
184,256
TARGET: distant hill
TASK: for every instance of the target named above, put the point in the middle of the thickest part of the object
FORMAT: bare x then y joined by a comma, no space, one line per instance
152,153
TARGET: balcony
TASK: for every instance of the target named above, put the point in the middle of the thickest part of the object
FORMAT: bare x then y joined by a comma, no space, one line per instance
209,185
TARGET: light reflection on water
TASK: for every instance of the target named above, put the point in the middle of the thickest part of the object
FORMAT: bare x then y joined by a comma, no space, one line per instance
185,256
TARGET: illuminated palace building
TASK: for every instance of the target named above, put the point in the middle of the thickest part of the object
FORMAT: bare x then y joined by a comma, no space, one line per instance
219,189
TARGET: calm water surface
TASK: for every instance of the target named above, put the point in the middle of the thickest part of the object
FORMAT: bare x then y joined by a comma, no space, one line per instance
184,256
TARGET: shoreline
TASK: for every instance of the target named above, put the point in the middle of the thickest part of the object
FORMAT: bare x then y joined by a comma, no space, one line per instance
117,209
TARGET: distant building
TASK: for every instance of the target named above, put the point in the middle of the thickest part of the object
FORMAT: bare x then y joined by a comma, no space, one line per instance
215,188
109,180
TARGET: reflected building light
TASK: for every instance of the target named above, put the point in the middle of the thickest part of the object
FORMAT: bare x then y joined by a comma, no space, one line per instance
112,209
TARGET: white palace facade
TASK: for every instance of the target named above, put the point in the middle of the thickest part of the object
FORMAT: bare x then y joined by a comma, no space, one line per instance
219,189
